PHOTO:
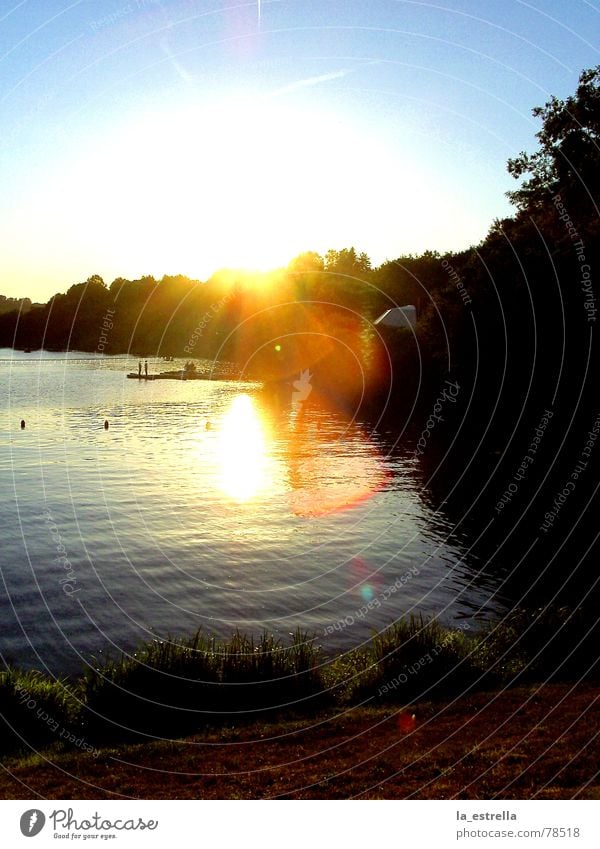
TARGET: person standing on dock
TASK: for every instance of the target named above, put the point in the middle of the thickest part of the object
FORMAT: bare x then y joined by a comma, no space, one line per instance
146,367
140,369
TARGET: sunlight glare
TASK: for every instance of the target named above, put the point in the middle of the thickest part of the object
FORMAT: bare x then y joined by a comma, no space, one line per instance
243,455
235,184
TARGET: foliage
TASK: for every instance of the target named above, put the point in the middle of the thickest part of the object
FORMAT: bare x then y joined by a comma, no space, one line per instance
22,305
36,710
544,644
309,261
417,659
567,161
347,261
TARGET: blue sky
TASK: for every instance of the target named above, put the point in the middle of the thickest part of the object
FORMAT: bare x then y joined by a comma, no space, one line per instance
146,137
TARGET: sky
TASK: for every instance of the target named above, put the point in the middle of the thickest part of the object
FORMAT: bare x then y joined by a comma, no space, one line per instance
183,136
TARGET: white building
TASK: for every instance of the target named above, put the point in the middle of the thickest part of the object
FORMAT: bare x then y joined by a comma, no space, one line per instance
398,317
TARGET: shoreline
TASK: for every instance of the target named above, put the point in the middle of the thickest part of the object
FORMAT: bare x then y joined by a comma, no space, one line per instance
198,682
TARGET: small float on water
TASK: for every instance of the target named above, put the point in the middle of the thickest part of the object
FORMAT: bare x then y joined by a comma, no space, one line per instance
188,372
167,375
214,371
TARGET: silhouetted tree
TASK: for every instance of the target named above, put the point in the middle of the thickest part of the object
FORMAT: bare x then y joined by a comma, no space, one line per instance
307,261
96,280
347,261
568,161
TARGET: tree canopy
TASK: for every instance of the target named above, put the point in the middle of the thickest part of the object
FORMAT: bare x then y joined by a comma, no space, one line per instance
347,261
567,161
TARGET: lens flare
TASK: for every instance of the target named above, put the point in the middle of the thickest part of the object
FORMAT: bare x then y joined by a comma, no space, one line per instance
407,722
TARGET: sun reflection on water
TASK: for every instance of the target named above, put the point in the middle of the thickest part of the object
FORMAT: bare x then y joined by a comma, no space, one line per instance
313,472
243,451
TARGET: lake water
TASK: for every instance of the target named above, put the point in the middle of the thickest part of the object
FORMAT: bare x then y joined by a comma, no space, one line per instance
276,515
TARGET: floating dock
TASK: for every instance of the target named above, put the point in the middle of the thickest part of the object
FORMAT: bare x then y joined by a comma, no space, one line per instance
167,375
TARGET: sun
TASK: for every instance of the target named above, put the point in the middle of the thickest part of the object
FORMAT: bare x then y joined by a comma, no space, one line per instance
249,178
245,183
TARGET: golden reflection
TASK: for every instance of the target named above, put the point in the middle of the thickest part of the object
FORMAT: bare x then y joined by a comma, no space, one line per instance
243,455
307,467
328,476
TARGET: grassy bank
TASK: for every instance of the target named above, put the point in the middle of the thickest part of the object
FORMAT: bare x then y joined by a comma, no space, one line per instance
169,688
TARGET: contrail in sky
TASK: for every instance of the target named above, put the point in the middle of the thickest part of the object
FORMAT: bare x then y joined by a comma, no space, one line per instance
310,81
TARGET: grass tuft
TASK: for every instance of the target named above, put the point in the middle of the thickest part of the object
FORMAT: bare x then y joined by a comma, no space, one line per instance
184,683
35,709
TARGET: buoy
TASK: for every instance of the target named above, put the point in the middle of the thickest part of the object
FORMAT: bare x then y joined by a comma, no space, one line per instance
106,425
22,424
208,425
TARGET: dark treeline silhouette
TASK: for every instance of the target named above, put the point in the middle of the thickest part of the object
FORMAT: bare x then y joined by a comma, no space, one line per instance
180,316
514,321
15,304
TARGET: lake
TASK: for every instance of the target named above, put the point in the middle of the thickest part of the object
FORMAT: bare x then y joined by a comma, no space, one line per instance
208,504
